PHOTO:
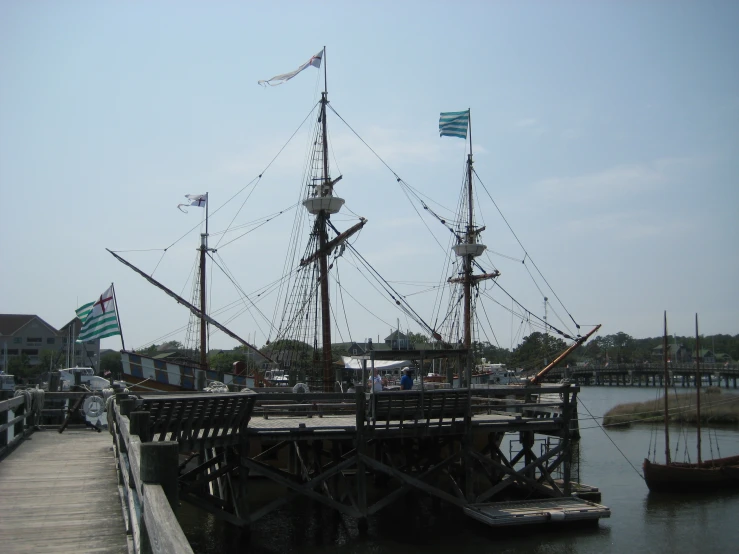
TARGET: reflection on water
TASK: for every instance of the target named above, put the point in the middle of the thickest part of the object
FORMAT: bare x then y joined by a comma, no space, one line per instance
640,521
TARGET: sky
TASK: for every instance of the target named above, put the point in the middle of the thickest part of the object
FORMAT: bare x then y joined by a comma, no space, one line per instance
607,133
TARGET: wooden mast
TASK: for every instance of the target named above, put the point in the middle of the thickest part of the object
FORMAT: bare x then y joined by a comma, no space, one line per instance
698,379
323,239
667,410
470,238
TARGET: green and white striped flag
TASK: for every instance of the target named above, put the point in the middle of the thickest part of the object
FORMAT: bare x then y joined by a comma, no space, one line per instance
99,318
454,124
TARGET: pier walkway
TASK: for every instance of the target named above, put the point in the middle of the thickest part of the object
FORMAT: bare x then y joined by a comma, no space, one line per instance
59,493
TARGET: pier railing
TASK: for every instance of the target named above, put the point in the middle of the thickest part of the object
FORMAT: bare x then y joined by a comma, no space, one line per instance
19,417
146,480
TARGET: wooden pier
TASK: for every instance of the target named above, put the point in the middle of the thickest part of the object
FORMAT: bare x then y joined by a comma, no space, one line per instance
59,493
353,453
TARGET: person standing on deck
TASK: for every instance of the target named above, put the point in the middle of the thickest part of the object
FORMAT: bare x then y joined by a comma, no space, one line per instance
377,382
406,381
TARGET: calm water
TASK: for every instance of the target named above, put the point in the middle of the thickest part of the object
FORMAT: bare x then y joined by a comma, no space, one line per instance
640,521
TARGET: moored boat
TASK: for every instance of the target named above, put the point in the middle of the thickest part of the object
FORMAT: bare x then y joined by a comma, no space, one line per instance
679,477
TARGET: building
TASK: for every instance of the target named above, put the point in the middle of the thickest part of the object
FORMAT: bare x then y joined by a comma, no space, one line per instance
676,353
30,336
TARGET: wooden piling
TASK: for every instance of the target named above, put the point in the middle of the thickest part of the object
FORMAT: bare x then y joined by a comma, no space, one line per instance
159,462
140,425
54,379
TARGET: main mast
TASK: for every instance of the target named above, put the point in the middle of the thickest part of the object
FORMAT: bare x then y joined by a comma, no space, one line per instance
323,253
322,203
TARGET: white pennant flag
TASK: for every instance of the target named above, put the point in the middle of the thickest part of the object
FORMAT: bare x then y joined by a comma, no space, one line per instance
199,200
315,61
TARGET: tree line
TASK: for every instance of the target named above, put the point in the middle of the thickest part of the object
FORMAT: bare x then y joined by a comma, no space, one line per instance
534,351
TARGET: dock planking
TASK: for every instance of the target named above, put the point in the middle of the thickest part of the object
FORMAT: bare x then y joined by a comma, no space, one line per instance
60,494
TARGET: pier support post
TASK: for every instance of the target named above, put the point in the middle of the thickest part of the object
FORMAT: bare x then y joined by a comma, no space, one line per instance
54,381
567,440
243,500
361,470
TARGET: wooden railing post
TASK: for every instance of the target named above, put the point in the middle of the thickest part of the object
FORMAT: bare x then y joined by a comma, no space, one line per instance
4,418
567,410
54,381
21,410
159,468
140,425
126,406
159,465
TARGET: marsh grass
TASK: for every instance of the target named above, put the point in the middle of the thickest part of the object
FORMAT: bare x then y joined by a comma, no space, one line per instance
716,408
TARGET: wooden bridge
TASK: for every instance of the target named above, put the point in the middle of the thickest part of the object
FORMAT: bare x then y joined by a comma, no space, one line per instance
354,453
641,374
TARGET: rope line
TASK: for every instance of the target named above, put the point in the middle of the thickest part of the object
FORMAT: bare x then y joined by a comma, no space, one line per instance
612,442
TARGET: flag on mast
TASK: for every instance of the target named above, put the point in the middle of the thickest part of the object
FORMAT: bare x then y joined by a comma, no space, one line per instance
199,200
99,318
315,61
454,124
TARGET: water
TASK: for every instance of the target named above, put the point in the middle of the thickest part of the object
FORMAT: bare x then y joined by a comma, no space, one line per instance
640,521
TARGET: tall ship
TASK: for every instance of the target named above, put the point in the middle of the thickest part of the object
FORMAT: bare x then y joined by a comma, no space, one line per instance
308,300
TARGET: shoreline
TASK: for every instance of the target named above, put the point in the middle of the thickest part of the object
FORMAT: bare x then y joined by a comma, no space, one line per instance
716,409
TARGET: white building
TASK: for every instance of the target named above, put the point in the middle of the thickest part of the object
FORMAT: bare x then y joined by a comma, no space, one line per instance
30,335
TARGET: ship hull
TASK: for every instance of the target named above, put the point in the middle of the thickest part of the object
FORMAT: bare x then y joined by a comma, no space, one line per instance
684,477
147,373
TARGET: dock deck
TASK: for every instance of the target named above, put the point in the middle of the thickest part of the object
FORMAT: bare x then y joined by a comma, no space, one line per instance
527,512
59,493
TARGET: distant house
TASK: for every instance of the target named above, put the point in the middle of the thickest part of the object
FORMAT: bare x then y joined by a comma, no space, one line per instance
29,335
723,358
398,341
676,353
705,355
354,348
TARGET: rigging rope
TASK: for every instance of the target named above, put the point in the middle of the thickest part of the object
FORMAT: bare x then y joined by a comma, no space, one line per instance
388,288
527,255
610,439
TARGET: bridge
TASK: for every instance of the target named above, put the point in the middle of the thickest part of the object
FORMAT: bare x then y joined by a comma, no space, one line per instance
647,374
353,453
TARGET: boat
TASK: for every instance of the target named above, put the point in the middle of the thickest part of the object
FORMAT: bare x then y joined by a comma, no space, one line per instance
300,335
681,477
497,374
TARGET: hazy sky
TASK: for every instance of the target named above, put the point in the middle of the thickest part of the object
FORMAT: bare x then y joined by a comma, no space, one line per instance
606,132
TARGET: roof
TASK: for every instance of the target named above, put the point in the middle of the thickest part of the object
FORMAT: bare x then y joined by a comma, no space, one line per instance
10,324
75,323
396,335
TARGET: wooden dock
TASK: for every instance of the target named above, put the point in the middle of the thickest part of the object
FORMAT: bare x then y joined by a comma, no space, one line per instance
354,453
59,493
529,512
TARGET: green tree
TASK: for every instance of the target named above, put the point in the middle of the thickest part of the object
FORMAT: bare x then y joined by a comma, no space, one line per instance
111,361
19,366
535,349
